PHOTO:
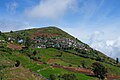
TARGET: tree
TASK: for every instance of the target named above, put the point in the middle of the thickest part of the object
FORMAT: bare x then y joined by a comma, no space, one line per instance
117,60
27,42
17,63
83,63
11,31
34,52
70,65
99,70
0,33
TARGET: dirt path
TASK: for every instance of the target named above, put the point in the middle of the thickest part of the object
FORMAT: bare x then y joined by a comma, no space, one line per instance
39,62
51,60
81,70
112,77
15,47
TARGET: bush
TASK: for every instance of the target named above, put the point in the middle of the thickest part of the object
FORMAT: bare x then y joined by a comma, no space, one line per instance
17,63
34,53
69,77
83,64
99,70
53,77
34,58
70,65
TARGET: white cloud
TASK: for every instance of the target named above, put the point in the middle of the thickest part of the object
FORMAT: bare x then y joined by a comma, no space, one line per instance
109,47
78,32
11,7
50,9
96,37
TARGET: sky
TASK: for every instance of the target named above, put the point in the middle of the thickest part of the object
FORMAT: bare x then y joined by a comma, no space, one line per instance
95,22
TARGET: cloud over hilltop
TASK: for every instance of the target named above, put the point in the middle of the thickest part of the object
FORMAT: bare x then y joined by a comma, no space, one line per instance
50,9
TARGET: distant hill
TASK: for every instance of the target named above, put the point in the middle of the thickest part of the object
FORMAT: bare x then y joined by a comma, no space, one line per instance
41,49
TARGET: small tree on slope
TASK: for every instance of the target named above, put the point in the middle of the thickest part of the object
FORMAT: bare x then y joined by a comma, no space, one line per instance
99,70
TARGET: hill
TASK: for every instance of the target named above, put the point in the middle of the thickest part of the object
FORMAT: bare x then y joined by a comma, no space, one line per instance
50,51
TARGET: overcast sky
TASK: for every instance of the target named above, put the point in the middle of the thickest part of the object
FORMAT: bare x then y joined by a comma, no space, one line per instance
95,22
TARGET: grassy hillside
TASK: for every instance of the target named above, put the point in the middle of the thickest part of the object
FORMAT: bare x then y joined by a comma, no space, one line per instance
28,69
53,33
45,52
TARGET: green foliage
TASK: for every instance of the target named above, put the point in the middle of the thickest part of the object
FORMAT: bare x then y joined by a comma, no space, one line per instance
17,63
0,33
83,64
99,70
27,42
34,58
117,60
69,77
53,77
11,31
34,52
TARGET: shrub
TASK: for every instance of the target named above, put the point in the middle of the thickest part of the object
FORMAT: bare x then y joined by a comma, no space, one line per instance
99,70
83,64
69,77
34,58
34,53
17,63
53,77
70,65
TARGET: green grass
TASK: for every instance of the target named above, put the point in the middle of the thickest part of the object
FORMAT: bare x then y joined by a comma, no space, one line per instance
7,65
19,73
1,38
68,58
58,71
46,54
45,70
26,62
112,69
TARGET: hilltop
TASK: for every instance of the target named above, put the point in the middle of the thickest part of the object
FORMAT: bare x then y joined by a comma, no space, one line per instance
43,52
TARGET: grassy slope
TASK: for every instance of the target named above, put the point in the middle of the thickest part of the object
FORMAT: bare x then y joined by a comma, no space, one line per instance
9,71
24,70
68,58
8,58
19,73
